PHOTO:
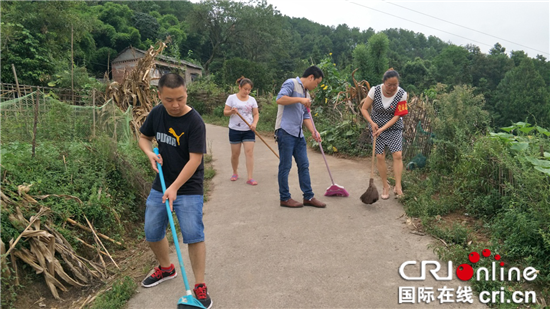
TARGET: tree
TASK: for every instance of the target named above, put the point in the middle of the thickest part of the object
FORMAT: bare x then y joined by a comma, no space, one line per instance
55,33
104,34
122,40
490,74
487,71
143,6
357,37
33,41
497,50
498,65
237,67
120,18
522,96
34,63
478,63
218,20
303,35
416,76
360,59
168,20
180,9
517,56
342,42
147,25
101,59
453,66
543,67
262,32
377,59
117,15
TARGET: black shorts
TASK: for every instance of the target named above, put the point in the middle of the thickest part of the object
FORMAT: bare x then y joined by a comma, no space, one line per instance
237,137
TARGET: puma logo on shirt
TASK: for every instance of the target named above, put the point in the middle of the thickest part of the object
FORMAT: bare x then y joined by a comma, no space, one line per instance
171,131
167,139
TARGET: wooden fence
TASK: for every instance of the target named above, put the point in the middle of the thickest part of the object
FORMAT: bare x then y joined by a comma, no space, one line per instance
417,135
78,97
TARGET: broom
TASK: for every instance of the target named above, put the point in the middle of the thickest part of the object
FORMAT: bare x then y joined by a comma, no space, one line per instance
186,301
371,195
248,124
334,189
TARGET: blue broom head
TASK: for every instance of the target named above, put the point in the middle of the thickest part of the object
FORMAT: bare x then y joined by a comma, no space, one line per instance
188,302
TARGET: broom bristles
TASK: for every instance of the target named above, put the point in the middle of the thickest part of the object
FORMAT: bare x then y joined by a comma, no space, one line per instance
371,195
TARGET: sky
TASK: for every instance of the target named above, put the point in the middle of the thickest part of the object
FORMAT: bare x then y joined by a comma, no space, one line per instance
516,25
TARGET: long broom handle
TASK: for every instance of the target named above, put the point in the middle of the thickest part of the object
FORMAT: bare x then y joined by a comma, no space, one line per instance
172,227
257,134
320,146
372,164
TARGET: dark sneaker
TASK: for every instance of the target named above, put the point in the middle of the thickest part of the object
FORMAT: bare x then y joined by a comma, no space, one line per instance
201,293
159,276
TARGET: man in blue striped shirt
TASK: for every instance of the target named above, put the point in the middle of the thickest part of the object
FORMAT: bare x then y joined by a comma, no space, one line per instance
294,100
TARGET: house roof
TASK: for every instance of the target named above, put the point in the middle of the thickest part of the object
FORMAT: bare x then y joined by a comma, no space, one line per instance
159,57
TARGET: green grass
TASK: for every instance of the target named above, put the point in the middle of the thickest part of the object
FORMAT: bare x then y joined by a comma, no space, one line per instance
117,296
209,172
216,120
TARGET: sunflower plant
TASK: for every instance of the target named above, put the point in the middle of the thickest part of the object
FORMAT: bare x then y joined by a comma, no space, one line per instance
332,84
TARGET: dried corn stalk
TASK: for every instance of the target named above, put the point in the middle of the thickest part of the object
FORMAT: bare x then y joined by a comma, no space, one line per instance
44,243
135,89
45,247
353,95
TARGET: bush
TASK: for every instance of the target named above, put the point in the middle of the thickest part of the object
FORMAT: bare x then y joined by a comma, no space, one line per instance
199,106
267,107
502,179
116,297
204,95
218,111
460,118
98,180
343,137
107,178
477,177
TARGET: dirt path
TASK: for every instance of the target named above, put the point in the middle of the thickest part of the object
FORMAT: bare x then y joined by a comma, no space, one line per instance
261,255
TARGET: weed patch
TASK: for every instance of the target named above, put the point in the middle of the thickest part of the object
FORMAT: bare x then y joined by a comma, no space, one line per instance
116,296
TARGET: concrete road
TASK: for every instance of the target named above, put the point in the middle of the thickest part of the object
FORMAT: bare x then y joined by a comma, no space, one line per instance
261,255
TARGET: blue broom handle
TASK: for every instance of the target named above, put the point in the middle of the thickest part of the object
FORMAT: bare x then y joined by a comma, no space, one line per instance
320,146
172,226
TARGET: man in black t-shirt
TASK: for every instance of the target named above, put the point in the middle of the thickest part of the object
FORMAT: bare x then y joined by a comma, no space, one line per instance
181,136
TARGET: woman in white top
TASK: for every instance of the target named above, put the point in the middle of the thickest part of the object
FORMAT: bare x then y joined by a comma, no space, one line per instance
239,132
389,105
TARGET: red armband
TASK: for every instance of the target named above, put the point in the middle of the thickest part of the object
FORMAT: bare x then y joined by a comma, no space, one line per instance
401,109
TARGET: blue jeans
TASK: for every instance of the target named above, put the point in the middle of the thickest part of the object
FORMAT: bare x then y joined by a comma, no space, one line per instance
293,146
188,209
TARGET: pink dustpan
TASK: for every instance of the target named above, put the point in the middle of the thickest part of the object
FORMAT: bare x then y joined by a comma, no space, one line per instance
334,190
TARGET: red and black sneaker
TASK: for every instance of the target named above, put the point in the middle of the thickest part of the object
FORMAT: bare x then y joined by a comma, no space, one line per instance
159,275
201,293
